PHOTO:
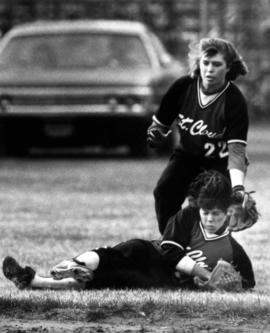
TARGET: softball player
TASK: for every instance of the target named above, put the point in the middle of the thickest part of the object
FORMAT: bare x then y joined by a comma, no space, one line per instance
193,242
212,118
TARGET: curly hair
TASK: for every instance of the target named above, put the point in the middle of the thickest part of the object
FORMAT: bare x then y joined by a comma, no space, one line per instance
211,189
212,46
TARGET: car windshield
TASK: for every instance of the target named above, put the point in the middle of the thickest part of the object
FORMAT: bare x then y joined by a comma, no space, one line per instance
75,51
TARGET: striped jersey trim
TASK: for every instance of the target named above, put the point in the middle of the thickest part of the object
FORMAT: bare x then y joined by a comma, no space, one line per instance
214,99
237,141
225,233
154,118
172,243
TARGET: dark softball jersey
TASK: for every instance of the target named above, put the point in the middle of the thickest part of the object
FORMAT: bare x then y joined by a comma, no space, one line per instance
143,263
205,130
185,236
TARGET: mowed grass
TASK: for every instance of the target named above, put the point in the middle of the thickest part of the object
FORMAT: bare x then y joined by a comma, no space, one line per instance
54,209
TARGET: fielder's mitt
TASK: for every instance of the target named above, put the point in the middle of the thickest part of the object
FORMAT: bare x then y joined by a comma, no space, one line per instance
223,277
243,215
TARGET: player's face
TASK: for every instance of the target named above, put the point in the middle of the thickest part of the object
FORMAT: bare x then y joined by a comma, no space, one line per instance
213,71
212,219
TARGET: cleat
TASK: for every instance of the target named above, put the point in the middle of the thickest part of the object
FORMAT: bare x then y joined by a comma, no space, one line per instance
72,268
20,276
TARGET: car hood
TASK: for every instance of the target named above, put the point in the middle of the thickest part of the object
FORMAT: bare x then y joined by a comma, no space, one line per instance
136,77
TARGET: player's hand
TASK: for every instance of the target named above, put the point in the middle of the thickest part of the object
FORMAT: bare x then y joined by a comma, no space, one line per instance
244,214
224,277
156,135
238,194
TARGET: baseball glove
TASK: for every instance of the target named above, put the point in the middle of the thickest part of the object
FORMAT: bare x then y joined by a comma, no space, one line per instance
243,215
223,278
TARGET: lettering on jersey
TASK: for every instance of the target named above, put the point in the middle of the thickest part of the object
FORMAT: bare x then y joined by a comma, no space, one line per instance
198,256
197,127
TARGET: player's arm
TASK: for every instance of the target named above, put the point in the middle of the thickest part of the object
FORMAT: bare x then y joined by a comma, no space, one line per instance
243,264
189,267
176,238
238,163
157,133
168,110
175,254
237,124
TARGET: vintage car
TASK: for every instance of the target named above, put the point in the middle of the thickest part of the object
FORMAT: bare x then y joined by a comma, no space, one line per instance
81,83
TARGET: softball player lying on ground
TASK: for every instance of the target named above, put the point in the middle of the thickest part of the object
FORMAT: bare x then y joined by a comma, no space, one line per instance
188,255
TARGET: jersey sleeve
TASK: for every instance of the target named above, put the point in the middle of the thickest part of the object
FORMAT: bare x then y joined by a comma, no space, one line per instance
177,235
243,264
172,101
237,156
236,116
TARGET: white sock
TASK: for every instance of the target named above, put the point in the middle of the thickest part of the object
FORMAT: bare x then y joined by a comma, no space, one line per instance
90,258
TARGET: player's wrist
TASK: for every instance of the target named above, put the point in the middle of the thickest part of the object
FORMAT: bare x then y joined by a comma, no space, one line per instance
238,188
238,193
160,124
201,272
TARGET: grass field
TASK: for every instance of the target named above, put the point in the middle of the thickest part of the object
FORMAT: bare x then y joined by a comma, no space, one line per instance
55,208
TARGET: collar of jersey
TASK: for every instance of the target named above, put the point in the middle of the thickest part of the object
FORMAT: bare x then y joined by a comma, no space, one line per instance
213,236
212,100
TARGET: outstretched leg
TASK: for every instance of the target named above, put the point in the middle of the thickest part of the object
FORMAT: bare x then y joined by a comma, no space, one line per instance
40,282
79,268
27,278
124,265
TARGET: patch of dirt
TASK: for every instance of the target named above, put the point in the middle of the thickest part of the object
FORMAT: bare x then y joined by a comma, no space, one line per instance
117,324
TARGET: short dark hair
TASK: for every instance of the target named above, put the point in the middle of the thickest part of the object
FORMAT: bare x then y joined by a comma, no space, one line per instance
211,189
212,46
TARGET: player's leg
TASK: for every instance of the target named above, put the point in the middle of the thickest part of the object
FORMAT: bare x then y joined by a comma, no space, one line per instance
27,278
42,282
105,265
172,187
220,165
80,267
135,263
124,265
133,253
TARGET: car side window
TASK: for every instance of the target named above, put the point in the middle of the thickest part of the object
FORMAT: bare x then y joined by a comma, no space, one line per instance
43,56
163,56
129,51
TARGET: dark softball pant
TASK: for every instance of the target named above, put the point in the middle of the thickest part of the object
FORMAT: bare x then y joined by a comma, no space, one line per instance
132,264
172,186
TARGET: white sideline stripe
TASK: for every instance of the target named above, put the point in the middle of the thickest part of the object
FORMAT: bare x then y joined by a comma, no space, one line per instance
172,243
